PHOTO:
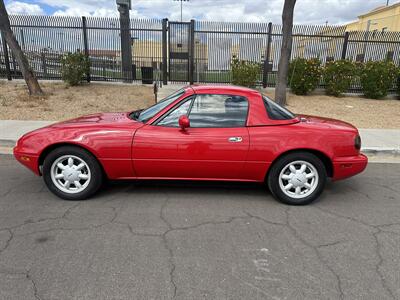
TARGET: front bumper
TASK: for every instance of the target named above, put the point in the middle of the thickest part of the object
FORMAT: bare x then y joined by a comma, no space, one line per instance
344,167
30,161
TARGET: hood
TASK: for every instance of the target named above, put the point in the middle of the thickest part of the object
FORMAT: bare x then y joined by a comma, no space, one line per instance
94,119
327,123
113,119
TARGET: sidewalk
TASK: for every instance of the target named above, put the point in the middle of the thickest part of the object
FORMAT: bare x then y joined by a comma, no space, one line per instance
374,141
12,130
380,140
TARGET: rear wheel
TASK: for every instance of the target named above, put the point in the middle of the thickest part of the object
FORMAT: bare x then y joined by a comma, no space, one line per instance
72,173
297,178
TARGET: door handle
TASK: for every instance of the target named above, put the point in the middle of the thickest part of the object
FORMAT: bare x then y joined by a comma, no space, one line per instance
235,139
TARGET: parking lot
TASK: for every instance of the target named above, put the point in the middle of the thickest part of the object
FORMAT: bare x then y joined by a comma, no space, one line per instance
156,240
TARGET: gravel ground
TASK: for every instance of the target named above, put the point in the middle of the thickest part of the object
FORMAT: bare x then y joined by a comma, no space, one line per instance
361,112
62,102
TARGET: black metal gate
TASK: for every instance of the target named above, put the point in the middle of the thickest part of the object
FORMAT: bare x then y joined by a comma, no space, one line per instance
179,51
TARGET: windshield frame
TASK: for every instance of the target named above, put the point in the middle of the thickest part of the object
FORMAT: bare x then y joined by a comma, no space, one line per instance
156,108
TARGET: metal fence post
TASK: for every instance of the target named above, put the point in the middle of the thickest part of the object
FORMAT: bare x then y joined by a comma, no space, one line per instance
164,51
44,64
14,63
191,52
85,44
345,44
21,31
267,55
6,58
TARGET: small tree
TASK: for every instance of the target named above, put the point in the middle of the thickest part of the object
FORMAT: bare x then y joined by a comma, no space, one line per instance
27,73
74,66
286,50
245,73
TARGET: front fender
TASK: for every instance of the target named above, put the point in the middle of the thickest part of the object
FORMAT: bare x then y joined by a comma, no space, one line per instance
112,146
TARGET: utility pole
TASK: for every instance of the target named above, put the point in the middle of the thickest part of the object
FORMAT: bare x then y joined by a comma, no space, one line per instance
126,42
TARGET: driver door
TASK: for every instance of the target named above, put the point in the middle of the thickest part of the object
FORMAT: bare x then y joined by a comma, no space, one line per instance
215,146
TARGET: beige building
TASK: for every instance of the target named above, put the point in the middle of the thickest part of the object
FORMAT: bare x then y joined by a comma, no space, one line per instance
382,19
149,53
379,29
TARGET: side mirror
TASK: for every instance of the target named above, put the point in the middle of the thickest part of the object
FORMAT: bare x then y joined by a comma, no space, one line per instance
184,122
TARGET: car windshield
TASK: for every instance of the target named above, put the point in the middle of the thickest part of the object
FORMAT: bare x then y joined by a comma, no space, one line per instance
275,111
148,113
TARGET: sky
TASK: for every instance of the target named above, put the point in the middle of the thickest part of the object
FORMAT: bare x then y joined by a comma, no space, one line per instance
306,11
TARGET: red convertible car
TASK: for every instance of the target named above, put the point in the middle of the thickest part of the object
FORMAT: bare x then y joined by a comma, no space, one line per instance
199,133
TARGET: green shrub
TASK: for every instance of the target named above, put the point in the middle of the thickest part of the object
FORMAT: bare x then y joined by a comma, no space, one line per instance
74,66
398,82
304,75
338,76
245,73
377,77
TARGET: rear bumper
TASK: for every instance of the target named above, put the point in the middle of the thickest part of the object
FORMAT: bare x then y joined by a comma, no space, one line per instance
344,167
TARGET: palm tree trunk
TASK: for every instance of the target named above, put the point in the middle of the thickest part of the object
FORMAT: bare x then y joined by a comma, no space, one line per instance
286,50
27,73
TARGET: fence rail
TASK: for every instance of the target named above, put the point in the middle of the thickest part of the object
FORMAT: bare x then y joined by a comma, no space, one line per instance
196,51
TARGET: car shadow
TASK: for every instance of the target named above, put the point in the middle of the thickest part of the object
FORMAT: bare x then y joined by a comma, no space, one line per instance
186,186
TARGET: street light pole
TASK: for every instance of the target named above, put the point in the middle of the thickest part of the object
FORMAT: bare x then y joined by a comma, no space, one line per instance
182,8
366,35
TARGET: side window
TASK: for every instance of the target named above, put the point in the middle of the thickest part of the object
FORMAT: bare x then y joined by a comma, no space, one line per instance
172,118
219,111
275,111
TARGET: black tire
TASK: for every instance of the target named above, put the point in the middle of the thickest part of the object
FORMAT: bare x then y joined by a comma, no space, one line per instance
96,177
281,163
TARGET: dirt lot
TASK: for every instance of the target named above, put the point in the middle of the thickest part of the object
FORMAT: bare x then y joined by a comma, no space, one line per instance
62,102
361,112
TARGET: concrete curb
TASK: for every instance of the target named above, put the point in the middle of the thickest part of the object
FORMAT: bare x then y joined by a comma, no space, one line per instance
381,151
7,143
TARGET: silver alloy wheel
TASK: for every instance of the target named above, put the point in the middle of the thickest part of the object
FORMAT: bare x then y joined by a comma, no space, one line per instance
70,174
298,179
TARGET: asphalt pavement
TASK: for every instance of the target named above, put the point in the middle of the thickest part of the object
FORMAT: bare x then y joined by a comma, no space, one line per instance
165,240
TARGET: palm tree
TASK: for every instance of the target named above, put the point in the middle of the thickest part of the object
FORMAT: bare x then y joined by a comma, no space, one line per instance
27,73
286,50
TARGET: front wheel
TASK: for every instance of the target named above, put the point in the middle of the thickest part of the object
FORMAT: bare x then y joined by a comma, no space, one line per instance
72,173
297,178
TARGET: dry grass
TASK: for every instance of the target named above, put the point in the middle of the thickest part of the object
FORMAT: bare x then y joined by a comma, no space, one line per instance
361,112
64,102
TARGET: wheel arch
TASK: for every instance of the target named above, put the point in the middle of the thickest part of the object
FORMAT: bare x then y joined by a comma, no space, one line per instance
43,154
326,160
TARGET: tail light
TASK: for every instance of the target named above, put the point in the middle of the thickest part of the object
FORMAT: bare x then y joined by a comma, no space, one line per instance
357,142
